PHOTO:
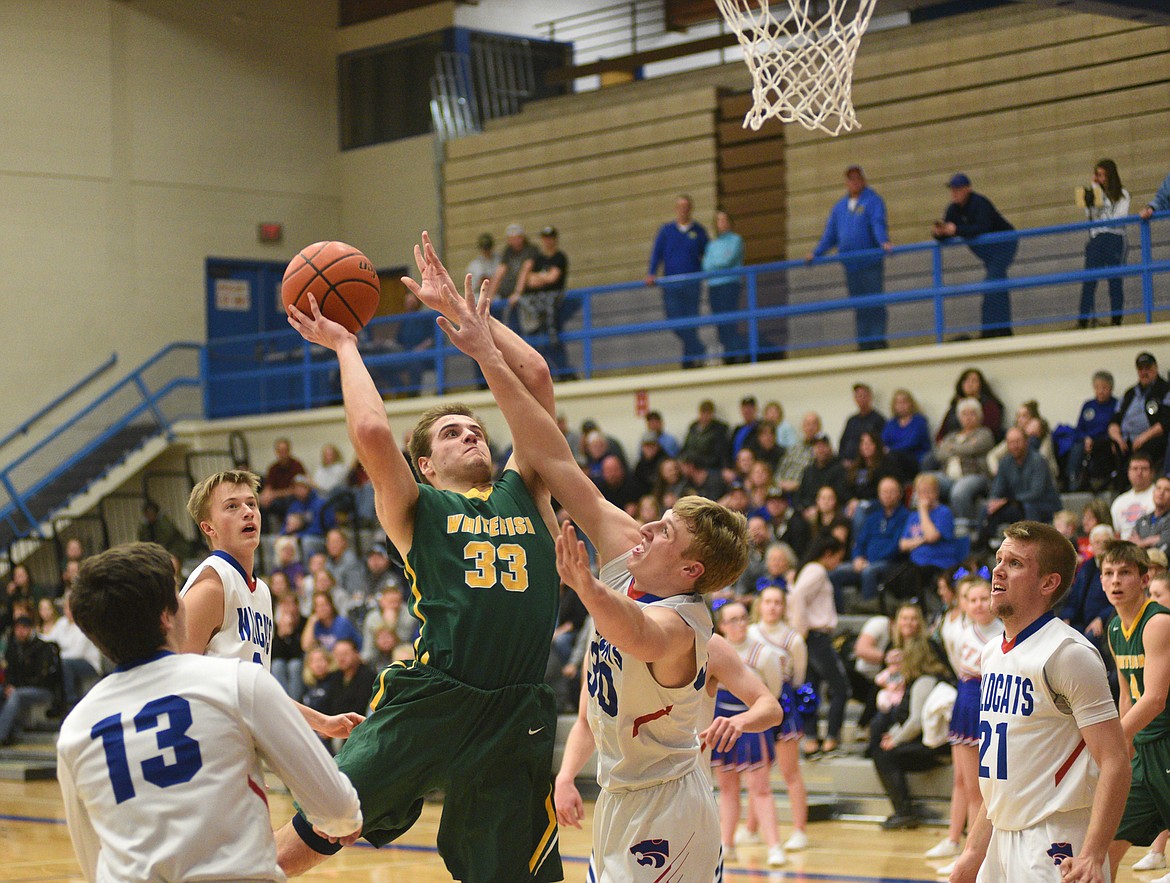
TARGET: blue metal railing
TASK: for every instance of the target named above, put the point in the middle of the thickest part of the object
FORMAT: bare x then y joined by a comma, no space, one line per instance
70,456
74,389
932,293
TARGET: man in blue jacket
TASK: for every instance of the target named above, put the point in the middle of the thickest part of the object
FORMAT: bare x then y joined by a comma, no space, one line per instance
678,249
858,223
875,551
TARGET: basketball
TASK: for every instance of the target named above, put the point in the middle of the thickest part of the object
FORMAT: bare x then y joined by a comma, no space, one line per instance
341,278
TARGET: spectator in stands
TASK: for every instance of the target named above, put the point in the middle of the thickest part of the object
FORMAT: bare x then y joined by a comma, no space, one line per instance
767,446
788,525
650,457
68,577
391,612
542,303
875,551
857,222
571,616
347,569
1091,463
46,617
318,665
825,512
31,675
379,573
823,470
760,479
706,441
362,489
278,484
929,538
869,657
511,273
973,385
158,528
656,425
812,613
1023,488
326,626
414,332
962,456
1152,530
786,435
865,420
678,249
483,265
702,480
307,517
386,649
74,550
971,215
759,538
745,435
81,661
906,435
799,455
351,685
864,475
288,562
725,252
671,483
900,750
18,593
617,486
1131,505
329,478
1160,202
648,509
595,453
1143,417
1087,608
288,656
1038,434
1106,245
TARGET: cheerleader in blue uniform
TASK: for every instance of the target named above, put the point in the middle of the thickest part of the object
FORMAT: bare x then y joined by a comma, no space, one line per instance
797,698
753,753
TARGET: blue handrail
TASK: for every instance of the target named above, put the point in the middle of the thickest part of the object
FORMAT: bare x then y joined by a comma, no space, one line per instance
85,381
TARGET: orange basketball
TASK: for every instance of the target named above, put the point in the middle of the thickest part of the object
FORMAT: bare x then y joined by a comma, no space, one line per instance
341,278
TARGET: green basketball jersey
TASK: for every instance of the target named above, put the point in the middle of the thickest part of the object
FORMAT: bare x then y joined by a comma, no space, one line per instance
1131,666
483,582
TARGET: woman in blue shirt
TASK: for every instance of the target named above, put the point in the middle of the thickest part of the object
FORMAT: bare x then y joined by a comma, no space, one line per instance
724,252
906,434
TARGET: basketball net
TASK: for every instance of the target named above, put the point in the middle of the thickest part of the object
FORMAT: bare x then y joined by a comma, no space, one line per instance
801,63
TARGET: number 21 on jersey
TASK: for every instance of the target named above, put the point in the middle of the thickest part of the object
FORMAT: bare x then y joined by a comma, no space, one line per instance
993,750
164,768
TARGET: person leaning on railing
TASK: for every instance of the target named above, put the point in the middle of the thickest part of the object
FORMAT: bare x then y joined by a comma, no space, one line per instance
1160,202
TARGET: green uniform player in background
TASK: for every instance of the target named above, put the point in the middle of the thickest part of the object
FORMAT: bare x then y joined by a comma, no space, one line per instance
470,715
1139,639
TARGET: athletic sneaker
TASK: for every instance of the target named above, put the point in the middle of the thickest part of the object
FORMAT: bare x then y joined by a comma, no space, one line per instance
945,870
776,857
797,842
944,849
1165,878
729,854
1151,861
744,837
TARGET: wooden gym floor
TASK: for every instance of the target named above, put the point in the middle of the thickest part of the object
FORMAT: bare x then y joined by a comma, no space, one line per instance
36,847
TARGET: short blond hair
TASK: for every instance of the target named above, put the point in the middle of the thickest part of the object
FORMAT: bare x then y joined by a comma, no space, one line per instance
200,500
719,541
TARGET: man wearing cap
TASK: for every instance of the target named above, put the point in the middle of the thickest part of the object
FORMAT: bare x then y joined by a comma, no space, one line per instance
541,306
678,249
788,525
510,277
865,420
745,434
32,674
649,459
970,215
706,438
656,425
857,222
1142,418
825,470
483,266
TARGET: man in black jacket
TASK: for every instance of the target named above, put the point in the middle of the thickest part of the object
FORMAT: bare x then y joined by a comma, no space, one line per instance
1143,417
972,214
32,675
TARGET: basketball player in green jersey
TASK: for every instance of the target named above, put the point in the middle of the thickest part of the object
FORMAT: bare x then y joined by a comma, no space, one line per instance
1139,638
470,715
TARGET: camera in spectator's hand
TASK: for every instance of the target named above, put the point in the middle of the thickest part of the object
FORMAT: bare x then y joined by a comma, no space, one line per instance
1088,196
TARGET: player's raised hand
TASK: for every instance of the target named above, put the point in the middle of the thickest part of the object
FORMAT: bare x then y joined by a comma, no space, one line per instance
315,328
570,807
433,274
466,320
573,560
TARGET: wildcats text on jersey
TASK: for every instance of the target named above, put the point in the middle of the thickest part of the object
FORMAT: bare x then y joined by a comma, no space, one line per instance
254,626
1007,694
492,527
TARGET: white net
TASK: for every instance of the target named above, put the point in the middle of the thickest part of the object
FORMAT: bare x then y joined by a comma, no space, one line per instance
800,54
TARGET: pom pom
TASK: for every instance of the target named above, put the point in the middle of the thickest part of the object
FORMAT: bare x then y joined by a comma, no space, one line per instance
807,701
